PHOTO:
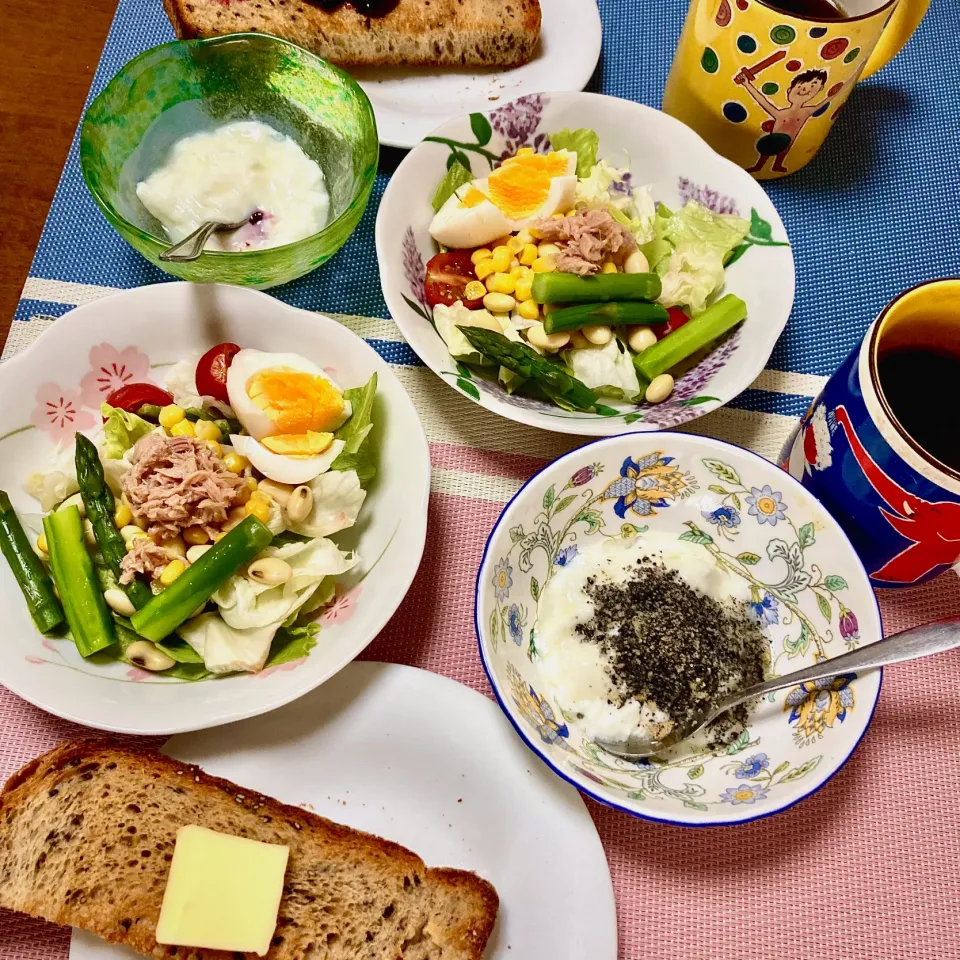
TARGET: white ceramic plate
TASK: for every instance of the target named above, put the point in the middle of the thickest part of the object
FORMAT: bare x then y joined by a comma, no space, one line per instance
368,751
56,386
410,102
660,151
806,581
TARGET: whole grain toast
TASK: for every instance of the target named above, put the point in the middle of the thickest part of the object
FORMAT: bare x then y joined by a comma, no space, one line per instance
432,33
87,833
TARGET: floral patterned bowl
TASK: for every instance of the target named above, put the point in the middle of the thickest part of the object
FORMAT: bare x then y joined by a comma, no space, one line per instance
806,584
55,388
660,151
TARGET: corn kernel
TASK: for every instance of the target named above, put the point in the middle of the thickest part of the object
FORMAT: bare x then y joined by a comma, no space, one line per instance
171,415
500,259
482,254
206,430
256,507
609,267
140,522
171,571
195,535
131,533
524,290
528,310
556,216
483,269
517,272
525,236
42,543
252,484
535,234
514,244
241,496
514,263
544,265
474,290
215,448
525,152
528,254
572,212
501,283
182,429
122,516
235,463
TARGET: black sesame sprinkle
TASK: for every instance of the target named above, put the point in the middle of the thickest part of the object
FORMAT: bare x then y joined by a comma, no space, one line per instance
675,647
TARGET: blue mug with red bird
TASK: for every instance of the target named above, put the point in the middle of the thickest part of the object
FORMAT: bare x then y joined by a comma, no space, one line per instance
880,446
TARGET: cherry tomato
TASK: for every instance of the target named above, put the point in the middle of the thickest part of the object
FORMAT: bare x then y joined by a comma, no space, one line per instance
132,396
675,321
447,276
212,370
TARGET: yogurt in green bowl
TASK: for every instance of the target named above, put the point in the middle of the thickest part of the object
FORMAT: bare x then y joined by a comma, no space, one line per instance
240,128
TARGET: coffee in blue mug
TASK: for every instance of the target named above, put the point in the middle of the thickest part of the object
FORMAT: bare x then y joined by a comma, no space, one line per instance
880,446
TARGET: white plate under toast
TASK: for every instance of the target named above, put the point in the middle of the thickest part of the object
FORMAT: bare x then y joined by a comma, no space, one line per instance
410,102
429,763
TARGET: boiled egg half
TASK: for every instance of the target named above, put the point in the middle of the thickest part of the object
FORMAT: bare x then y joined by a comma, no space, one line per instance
521,190
290,408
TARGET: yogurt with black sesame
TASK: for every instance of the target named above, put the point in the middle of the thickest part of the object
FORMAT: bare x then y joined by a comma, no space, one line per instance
634,634
244,170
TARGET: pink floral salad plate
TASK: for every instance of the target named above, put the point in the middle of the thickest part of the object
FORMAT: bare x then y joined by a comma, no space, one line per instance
661,165
56,387
792,564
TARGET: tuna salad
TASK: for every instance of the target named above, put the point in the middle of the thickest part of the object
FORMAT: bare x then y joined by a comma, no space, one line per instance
193,533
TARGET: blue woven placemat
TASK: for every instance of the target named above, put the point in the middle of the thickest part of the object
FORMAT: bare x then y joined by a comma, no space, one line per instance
872,215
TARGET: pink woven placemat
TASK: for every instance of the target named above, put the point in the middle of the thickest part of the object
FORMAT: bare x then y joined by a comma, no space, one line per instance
867,868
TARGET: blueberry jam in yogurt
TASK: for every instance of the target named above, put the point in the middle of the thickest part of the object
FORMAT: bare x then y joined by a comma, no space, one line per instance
244,170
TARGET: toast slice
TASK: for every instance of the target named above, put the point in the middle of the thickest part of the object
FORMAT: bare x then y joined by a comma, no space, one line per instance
429,33
87,833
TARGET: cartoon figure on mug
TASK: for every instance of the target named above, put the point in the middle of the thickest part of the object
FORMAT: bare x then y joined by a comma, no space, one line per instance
786,122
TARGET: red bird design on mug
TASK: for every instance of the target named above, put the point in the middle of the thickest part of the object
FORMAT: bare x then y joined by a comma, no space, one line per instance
932,528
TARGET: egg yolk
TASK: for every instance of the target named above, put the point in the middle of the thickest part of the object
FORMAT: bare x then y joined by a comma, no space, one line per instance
472,198
520,186
309,444
295,401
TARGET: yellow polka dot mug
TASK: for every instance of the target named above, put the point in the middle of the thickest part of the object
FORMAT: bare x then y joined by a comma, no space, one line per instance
763,80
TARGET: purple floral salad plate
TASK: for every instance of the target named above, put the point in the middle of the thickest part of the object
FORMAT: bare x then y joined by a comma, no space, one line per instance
363,537
526,182
733,524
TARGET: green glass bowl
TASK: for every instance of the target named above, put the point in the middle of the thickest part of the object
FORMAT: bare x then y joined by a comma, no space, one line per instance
180,88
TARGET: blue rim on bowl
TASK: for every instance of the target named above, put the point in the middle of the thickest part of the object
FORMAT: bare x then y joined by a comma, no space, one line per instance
538,748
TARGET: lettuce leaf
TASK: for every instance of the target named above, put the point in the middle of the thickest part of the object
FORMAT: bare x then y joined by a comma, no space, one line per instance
608,370
696,224
246,605
457,176
228,649
55,484
292,643
121,430
337,499
583,142
357,454
448,321
693,273
608,188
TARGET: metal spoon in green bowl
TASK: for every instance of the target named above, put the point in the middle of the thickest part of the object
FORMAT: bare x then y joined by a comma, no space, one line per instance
191,246
937,637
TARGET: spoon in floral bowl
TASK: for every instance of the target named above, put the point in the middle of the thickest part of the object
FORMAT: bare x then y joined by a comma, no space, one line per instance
922,641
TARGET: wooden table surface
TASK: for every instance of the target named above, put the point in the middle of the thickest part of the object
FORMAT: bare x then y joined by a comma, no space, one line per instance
51,49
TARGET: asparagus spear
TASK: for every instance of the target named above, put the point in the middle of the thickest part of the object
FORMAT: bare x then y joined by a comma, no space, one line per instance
569,288
166,611
99,503
32,577
610,314
76,579
715,321
524,360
